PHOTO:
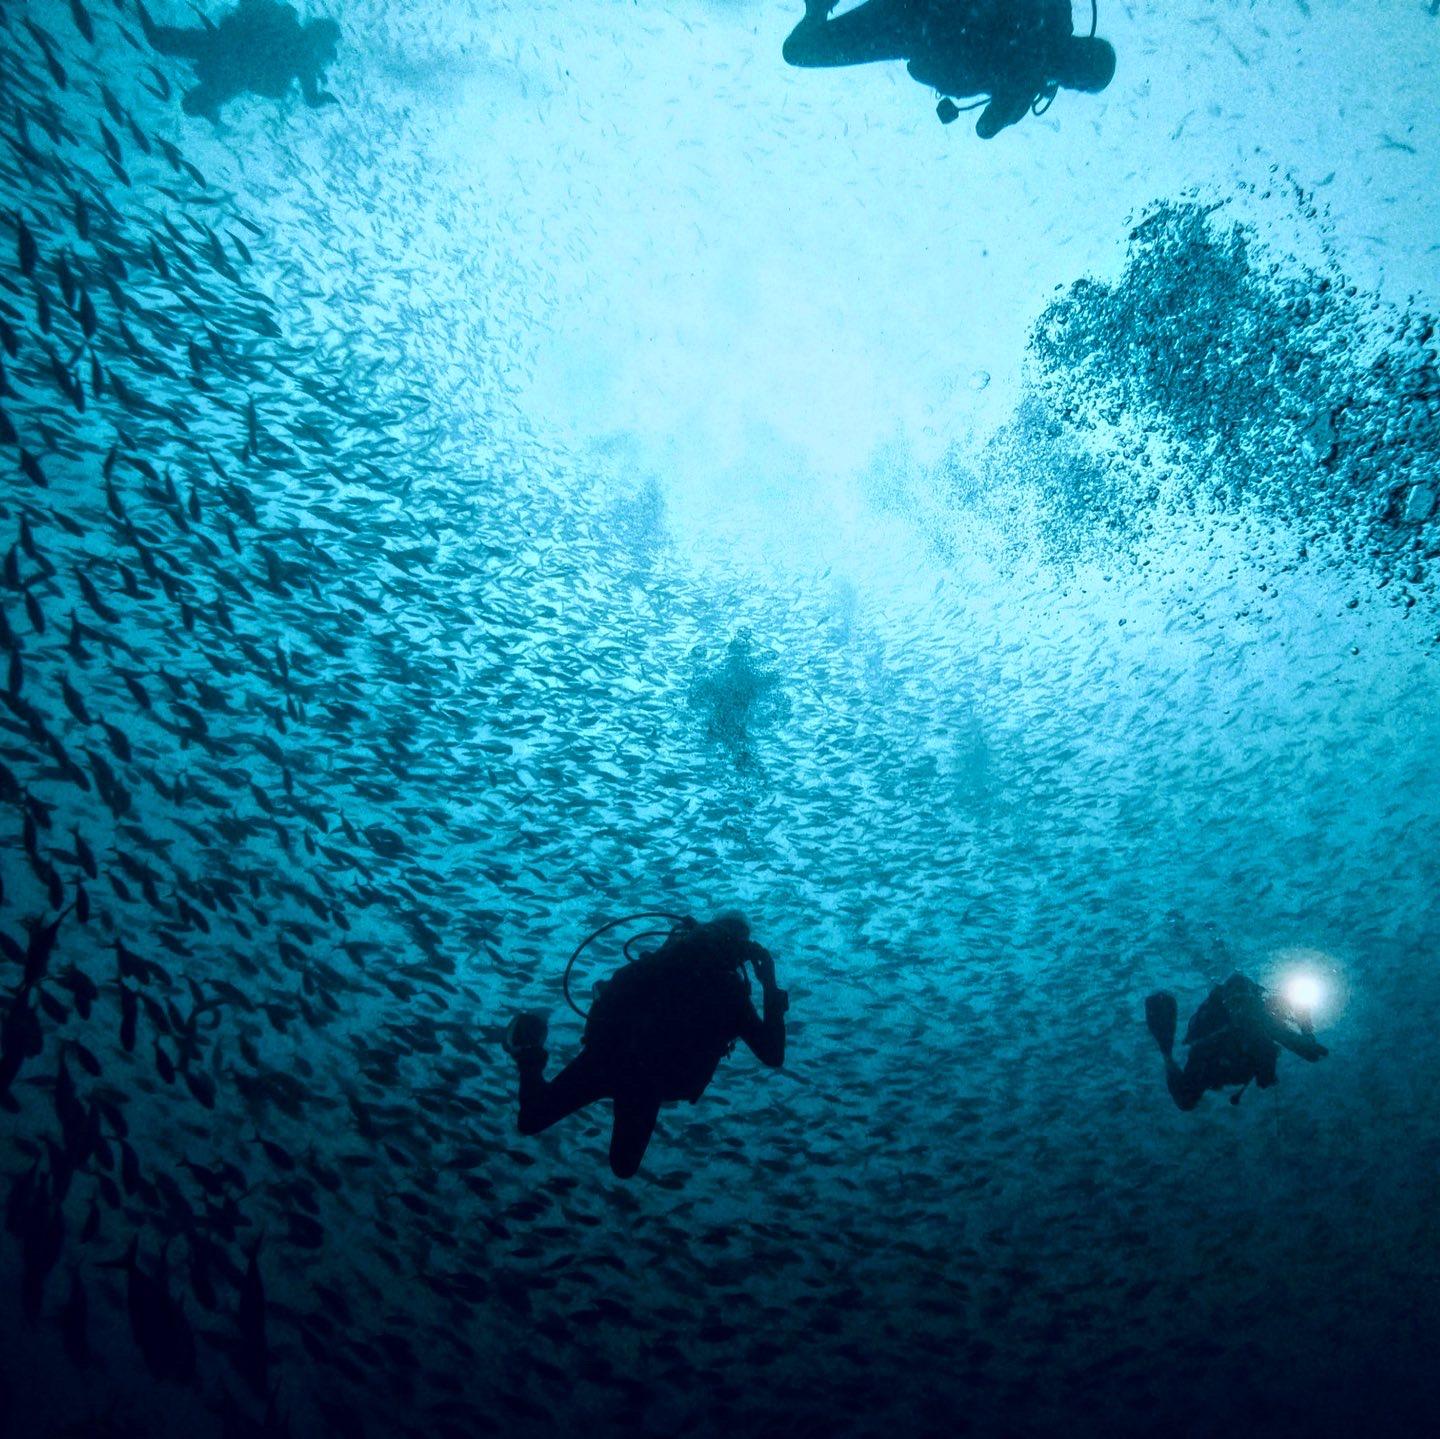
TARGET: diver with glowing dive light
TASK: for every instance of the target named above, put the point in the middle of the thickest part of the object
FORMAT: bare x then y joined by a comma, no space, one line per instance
1233,1038
657,1030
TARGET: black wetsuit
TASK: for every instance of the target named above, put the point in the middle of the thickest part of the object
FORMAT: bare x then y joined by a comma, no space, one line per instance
1235,1038
657,1032
1001,48
259,48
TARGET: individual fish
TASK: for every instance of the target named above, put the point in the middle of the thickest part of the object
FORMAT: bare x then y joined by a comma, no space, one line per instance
161,91
57,70
85,993
252,1352
113,107
129,1018
85,856
75,1317
68,1110
41,946
69,288
20,1039
112,142
202,1271
83,23
92,598
80,215
157,1321
30,468
90,1230
42,1237
74,701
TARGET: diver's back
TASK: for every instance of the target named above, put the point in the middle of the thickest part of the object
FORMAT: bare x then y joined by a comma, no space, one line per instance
665,1020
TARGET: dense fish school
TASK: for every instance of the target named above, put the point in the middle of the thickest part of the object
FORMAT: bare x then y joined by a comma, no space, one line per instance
343,696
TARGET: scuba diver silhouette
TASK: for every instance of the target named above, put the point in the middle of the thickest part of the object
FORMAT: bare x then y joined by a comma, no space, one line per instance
1019,53
1234,1037
259,48
656,1032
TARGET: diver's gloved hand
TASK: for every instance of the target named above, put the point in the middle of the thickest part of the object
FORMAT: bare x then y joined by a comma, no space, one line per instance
777,1001
525,1036
763,963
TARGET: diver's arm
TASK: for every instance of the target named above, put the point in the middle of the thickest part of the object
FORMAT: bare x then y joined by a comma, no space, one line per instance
1292,1031
765,1035
1297,1041
1006,107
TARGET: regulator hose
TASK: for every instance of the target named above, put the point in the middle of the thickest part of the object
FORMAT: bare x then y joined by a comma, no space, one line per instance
1049,93
675,919
1047,96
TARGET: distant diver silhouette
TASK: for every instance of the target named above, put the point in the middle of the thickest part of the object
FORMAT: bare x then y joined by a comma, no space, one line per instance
1019,53
656,1033
259,48
1234,1038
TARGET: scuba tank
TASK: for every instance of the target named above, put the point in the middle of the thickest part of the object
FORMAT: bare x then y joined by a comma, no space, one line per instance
679,921
669,998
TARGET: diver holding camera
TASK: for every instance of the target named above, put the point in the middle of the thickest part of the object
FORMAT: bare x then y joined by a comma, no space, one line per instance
656,1033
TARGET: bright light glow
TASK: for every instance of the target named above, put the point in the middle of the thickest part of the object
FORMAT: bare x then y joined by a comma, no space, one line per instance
1311,981
1304,991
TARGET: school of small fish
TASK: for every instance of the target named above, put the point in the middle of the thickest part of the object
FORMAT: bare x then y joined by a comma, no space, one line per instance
339,705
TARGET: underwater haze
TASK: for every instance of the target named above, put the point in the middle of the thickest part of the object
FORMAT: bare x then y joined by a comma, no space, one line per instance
593,466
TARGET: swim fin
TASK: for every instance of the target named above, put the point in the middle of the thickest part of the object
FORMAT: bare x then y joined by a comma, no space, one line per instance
1161,1015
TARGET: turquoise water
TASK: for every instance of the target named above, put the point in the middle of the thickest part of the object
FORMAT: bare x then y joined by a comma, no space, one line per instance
595,467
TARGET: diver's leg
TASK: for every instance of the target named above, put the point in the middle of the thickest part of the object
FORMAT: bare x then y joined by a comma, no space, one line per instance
315,97
876,30
545,1102
171,39
635,1116
1186,1088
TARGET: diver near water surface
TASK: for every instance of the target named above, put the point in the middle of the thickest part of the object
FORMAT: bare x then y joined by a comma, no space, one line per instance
1019,53
656,1033
1234,1037
259,48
